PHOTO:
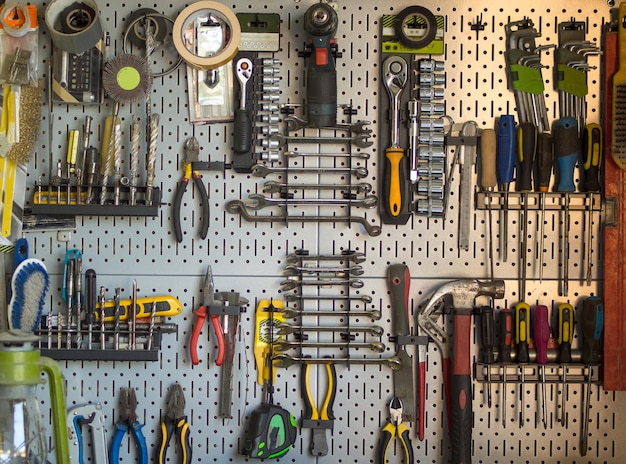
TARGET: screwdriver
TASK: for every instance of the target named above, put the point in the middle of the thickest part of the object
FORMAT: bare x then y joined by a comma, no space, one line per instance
541,335
487,341
522,336
527,145
593,321
90,303
505,331
545,161
592,160
505,168
566,333
566,152
488,180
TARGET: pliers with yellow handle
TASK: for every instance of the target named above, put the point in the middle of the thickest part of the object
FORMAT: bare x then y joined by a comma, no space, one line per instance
395,428
318,419
191,154
175,423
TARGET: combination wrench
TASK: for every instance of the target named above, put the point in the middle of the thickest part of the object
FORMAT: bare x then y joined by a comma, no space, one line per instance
291,313
360,140
293,297
262,170
293,270
291,284
272,186
261,201
283,345
290,329
294,123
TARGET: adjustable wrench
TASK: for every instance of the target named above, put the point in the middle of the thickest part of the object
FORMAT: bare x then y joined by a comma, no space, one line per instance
261,201
262,170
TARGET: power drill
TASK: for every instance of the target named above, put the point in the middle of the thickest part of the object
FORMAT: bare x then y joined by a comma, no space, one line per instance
320,23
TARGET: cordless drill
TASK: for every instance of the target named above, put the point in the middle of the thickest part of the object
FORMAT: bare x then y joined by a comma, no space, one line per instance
320,23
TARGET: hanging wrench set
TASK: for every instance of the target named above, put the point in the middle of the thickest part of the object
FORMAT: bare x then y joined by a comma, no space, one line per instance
326,164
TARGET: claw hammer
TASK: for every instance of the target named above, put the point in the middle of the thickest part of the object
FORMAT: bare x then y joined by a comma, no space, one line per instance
458,384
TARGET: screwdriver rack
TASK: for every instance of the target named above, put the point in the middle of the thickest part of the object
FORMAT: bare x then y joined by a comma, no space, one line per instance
553,201
250,256
531,373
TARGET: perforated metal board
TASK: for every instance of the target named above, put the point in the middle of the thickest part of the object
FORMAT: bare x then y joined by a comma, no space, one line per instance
249,258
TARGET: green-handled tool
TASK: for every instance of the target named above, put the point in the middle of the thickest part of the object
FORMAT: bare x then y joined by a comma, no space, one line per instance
593,148
271,432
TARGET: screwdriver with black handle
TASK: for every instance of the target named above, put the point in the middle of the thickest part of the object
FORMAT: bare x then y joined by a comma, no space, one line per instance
487,343
505,169
522,338
541,336
543,173
526,148
565,336
593,324
593,147
566,154
505,341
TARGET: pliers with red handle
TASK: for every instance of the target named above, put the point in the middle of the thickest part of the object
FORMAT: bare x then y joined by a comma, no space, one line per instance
201,313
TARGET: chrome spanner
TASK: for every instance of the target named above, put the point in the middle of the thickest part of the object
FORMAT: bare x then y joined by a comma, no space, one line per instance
358,154
285,328
291,284
261,201
294,123
271,186
291,313
353,256
262,170
284,345
293,297
283,360
360,140
293,270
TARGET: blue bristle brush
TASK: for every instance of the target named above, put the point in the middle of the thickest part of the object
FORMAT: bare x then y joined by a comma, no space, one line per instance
29,285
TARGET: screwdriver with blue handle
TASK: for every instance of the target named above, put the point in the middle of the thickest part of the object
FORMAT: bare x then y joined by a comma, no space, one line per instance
505,169
593,147
593,323
566,154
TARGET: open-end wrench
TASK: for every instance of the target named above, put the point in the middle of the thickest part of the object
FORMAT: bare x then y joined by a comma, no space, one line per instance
360,140
286,329
291,297
285,345
262,170
354,256
271,186
291,284
283,360
294,123
293,270
239,207
291,313
261,201
358,154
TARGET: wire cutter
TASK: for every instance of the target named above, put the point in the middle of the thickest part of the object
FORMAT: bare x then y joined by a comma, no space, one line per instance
322,419
395,428
128,420
208,293
175,423
190,157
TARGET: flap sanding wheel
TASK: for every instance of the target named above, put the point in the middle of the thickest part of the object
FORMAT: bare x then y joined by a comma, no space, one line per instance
416,27
127,78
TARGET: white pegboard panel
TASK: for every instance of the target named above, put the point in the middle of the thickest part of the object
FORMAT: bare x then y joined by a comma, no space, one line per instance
249,257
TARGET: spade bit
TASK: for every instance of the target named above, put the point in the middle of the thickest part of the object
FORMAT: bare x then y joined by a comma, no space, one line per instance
261,201
262,170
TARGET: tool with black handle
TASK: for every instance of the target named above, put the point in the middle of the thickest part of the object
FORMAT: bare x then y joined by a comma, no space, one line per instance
593,148
91,297
522,338
398,282
541,335
505,341
565,336
318,419
543,174
242,140
487,343
593,325
527,146
566,154
505,169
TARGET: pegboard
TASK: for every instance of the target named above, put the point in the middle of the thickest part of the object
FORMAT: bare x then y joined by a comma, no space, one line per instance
250,257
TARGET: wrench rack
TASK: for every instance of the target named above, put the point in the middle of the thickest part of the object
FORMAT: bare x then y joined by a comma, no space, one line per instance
250,256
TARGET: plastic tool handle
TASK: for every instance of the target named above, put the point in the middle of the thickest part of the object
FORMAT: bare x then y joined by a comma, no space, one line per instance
526,148
487,334
91,296
593,322
399,280
204,201
462,390
488,178
396,181
201,314
566,332
541,333
505,153
522,333
593,147
505,331
242,131
221,342
178,200
566,152
185,440
545,161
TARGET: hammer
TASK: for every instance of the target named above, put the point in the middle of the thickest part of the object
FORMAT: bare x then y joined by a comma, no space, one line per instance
459,384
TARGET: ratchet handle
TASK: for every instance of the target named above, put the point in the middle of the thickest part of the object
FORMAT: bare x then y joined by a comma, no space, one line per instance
243,131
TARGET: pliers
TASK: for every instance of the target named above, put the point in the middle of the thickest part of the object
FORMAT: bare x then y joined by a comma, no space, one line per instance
208,293
175,423
128,420
318,419
190,156
395,428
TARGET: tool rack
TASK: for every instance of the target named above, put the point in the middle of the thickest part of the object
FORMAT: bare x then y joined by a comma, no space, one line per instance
248,257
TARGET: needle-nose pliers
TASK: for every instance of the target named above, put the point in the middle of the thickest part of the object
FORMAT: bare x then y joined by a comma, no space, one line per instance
128,422
175,423
190,157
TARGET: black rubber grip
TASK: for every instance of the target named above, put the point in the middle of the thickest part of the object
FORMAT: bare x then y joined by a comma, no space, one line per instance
243,131
527,145
592,154
505,330
178,199
321,94
461,419
398,281
545,162
204,201
487,334
91,296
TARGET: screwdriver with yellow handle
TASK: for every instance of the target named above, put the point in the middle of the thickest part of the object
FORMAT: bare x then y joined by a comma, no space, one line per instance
395,173
522,337
593,147
565,336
